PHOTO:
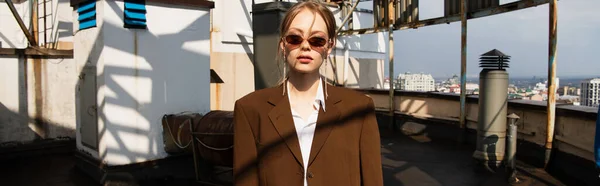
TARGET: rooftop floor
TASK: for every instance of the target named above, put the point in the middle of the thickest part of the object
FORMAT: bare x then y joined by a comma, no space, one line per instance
429,158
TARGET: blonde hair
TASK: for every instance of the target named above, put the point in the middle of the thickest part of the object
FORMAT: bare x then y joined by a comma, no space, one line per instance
317,8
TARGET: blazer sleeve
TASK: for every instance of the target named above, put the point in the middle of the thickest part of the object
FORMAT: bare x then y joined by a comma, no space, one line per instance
245,170
370,149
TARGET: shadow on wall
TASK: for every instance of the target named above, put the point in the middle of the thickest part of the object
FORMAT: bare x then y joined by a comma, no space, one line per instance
145,76
13,123
6,42
65,29
491,151
368,73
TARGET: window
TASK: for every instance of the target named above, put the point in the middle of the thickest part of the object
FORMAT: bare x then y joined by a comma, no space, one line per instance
87,14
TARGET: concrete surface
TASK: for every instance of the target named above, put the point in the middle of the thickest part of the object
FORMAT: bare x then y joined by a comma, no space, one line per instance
432,157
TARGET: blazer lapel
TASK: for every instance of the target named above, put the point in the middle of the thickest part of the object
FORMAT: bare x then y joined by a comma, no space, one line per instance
282,120
326,121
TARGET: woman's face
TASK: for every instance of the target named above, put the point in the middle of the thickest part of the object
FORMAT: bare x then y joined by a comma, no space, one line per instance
306,42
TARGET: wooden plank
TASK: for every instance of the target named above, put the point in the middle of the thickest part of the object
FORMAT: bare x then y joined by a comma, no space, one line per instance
36,52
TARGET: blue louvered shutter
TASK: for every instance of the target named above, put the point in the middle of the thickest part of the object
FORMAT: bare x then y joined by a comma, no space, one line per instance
87,14
135,14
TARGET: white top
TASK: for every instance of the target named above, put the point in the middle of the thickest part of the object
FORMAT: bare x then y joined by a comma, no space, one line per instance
306,129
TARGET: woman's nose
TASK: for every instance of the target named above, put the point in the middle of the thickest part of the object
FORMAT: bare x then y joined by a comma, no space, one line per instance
305,45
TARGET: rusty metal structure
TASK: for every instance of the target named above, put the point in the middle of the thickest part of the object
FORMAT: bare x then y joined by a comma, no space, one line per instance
393,15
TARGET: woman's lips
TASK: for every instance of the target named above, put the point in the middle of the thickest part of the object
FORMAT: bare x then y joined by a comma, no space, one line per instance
304,59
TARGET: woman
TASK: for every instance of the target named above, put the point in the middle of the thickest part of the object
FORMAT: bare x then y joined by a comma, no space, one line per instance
304,131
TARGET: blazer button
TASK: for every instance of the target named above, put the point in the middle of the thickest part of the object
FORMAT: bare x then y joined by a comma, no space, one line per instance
310,175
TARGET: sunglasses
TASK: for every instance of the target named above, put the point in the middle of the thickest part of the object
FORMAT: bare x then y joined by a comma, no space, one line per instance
296,40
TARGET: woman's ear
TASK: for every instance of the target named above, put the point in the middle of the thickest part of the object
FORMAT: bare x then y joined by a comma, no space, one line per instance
281,47
330,46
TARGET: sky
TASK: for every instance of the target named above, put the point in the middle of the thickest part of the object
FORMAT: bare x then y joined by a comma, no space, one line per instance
522,34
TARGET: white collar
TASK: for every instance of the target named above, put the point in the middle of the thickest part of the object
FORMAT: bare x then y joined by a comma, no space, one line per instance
320,98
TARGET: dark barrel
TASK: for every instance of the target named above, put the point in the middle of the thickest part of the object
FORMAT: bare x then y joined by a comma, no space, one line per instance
214,138
177,133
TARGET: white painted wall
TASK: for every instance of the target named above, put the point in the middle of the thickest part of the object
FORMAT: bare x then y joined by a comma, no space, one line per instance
13,106
232,26
58,23
149,73
13,112
30,89
88,45
11,35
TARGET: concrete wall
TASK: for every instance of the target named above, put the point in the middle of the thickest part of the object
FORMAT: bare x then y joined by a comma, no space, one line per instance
364,73
575,125
11,35
13,98
38,95
236,71
14,114
88,46
149,73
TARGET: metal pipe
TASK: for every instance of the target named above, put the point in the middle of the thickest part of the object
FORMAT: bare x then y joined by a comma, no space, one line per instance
391,61
551,106
391,66
463,63
346,63
511,150
45,27
13,10
508,7
375,14
347,17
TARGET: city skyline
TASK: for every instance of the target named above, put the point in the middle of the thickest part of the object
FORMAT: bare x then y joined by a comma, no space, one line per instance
521,34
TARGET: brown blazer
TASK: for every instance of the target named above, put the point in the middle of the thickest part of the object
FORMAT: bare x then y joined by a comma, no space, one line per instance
345,149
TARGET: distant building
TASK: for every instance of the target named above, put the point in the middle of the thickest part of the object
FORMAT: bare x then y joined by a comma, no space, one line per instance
573,91
386,83
416,82
536,97
454,89
472,88
563,91
543,86
454,80
590,92
568,100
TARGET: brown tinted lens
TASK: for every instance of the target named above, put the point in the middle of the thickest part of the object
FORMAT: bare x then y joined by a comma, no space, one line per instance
317,41
293,39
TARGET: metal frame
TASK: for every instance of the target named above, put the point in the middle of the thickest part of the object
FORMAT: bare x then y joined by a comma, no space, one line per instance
33,50
464,15
508,7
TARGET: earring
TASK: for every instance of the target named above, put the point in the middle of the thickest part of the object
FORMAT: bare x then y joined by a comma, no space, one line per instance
326,75
283,74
